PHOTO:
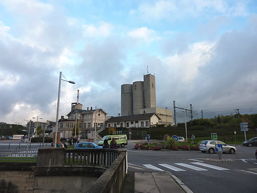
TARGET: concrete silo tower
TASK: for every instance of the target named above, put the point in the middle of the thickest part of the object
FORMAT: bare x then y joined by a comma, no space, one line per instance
126,100
149,91
138,96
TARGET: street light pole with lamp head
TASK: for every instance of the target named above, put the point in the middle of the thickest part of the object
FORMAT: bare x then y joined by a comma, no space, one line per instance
58,103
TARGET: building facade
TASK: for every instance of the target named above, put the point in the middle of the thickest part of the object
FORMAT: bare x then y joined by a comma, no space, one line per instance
81,122
133,121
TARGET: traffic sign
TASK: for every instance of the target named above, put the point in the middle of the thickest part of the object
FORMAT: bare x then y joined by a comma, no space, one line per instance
214,136
244,126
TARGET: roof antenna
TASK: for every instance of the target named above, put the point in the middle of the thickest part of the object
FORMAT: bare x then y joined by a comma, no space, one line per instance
77,96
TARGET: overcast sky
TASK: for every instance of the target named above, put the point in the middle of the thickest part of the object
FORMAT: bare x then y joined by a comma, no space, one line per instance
202,52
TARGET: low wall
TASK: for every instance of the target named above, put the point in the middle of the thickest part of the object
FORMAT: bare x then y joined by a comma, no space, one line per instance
60,171
33,179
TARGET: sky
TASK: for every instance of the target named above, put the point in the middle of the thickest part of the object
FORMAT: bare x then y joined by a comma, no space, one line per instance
202,52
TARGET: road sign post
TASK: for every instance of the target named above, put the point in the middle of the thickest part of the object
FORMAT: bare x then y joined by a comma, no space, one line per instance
244,128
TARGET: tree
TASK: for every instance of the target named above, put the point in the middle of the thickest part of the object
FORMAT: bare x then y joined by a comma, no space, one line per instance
39,131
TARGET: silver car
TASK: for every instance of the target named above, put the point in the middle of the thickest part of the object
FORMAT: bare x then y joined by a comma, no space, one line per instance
209,146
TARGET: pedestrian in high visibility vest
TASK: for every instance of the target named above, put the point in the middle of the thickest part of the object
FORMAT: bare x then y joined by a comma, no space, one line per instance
219,150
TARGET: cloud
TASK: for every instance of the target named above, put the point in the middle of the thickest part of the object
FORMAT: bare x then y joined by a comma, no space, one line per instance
174,10
142,34
30,60
103,30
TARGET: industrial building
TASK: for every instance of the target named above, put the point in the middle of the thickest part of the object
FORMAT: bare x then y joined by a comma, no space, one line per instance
140,98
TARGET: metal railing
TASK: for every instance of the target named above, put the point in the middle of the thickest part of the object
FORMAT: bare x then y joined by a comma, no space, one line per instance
91,157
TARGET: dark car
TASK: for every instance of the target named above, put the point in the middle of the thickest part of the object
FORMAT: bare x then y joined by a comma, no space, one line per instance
251,142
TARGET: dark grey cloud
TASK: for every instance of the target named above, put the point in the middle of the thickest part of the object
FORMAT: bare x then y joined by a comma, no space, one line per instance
229,79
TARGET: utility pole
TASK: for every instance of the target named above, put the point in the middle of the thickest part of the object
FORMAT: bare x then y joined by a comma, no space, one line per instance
174,107
184,109
191,111
237,113
202,114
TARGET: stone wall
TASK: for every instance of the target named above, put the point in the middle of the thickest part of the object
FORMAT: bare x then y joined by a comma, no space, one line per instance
16,181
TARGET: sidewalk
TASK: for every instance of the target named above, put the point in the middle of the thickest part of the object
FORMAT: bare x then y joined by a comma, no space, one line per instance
153,182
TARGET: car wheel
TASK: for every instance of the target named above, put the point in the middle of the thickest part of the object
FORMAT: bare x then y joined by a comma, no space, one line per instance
232,151
211,150
203,151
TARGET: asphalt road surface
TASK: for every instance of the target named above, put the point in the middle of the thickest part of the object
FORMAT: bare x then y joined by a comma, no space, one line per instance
202,172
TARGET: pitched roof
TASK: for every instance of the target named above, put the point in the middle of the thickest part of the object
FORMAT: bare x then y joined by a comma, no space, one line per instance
84,111
132,117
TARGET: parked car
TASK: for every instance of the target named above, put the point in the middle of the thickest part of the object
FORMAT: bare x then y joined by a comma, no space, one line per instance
256,153
251,142
121,140
178,138
209,146
87,145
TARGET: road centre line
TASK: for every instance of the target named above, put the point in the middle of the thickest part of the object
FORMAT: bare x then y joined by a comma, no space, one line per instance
191,167
150,166
172,167
209,166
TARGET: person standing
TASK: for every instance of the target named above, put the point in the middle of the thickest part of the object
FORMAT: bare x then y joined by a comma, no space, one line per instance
113,144
106,144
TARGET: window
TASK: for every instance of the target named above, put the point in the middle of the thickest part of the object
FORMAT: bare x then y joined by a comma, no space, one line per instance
109,125
146,123
88,125
131,122
127,124
121,124
142,124
115,125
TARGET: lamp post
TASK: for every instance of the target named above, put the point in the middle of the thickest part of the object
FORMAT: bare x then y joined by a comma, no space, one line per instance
58,103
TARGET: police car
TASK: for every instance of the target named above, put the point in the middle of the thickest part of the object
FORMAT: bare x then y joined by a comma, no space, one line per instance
210,145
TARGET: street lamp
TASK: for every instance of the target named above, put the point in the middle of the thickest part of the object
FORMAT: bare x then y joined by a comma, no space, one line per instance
58,103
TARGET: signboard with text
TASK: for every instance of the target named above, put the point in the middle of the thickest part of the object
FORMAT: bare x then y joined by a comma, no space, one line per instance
244,126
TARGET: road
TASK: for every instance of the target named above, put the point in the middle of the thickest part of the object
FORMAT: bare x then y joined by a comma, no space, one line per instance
202,172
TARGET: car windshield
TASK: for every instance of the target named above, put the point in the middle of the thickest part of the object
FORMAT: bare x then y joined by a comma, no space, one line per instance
106,137
253,139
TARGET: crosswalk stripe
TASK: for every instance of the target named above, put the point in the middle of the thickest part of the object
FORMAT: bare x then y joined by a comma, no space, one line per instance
191,167
209,166
150,166
172,167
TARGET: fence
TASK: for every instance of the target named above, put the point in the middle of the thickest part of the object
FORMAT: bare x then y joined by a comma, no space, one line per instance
10,150
91,157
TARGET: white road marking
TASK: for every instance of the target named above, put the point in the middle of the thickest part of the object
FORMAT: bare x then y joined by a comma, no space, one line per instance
209,166
191,167
249,172
134,166
172,167
244,160
195,160
150,166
